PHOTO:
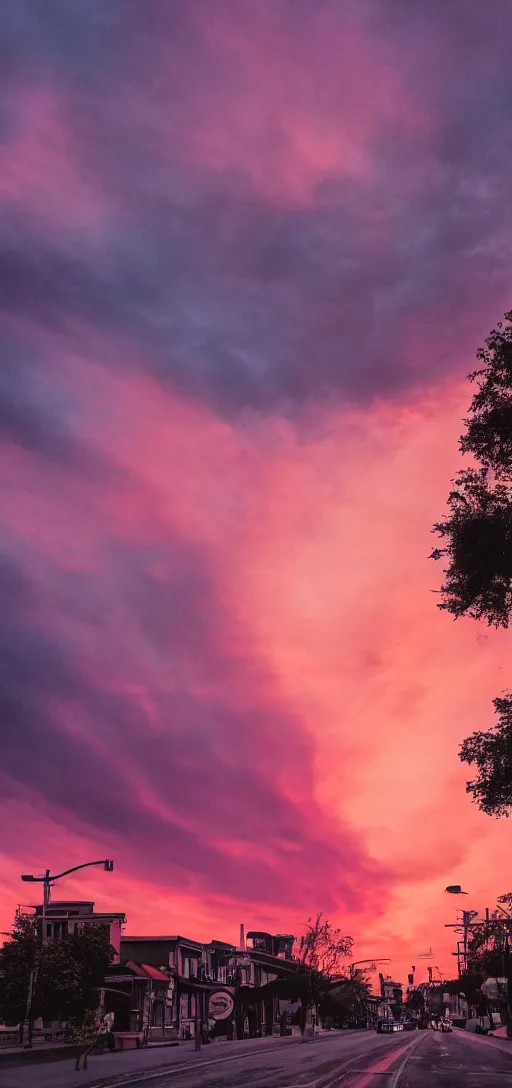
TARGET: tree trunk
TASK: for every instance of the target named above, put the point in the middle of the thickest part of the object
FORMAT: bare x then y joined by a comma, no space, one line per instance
302,1018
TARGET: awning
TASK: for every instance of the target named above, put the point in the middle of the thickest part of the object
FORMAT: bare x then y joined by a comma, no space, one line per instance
132,970
194,984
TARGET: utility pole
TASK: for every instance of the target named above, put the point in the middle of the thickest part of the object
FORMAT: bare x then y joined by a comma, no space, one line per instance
197,1026
464,927
28,1011
46,903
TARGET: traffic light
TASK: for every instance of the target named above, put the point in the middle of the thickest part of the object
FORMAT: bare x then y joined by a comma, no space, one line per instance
109,866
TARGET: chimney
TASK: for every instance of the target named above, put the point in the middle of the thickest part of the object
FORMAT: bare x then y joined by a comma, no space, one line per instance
242,937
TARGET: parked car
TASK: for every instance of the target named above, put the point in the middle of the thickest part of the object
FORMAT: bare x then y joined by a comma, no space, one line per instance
445,1025
388,1026
410,1025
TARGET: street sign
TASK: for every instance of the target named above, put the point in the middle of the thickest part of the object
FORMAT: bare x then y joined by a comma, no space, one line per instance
220,1005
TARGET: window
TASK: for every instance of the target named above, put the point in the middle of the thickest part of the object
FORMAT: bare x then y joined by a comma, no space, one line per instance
56,930
189,967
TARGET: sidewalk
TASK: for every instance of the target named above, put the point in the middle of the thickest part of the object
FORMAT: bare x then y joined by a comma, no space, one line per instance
14,1056
11,1056
496,1042
499,1033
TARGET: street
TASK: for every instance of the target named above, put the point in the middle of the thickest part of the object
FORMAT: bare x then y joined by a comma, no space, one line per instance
352,1060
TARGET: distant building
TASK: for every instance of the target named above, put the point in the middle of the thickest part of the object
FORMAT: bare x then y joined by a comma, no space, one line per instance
280,946
66,916
392,997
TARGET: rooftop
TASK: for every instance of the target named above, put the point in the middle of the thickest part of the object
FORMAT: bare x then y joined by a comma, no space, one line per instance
127,938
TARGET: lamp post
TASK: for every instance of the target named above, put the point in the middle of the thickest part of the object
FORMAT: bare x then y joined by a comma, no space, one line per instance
467,919
371,963
48,879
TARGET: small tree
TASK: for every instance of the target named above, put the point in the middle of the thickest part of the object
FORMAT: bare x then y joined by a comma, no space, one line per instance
345,999
322,948
416,1002
321,951
66,975
18,957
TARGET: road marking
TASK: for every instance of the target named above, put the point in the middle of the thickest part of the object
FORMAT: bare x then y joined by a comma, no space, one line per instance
473,1073
330,1080
342,1073
170,1071
401,1067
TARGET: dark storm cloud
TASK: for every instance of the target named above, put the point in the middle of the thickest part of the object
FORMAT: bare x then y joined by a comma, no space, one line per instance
32,415
227,295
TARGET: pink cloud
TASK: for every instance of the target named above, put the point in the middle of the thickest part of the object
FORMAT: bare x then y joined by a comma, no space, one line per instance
331,620
40,166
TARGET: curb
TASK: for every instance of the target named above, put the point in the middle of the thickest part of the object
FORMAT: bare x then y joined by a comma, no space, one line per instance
41,1057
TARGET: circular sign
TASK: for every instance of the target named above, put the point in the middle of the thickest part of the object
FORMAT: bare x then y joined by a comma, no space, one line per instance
220,1005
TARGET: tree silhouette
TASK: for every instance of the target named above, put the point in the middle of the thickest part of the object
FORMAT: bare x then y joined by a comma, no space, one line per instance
476,536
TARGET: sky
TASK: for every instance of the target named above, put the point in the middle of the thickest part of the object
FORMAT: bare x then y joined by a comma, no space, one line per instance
248,251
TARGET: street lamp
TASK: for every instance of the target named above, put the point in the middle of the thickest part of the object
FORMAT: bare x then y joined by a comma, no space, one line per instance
47,880
370,962
455,889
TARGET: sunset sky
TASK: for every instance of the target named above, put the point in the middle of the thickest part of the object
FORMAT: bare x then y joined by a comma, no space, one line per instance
249,249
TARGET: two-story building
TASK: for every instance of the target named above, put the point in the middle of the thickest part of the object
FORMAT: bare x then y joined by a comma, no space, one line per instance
198,974
65,916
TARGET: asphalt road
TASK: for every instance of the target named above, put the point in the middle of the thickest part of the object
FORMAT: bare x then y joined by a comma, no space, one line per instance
359,1060
458,1060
